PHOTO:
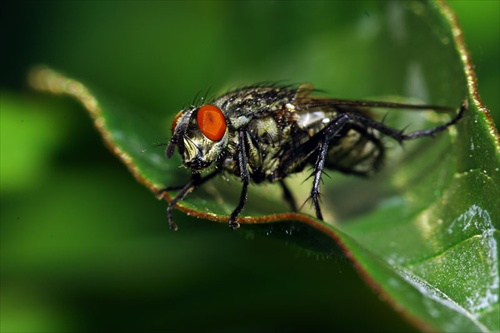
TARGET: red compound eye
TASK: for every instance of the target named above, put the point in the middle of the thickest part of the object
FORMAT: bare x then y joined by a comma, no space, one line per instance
212,122
176,120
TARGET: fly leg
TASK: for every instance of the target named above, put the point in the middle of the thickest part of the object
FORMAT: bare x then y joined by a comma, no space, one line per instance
288,196
437,129
245,178
196,180
400,136
318,170
328,133
337,124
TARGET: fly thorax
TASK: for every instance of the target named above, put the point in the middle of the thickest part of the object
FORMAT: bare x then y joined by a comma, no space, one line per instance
264,141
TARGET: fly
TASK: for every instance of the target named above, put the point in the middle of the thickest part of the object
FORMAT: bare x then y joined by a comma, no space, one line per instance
265,133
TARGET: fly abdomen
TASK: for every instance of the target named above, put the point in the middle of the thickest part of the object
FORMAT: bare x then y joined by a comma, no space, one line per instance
355,151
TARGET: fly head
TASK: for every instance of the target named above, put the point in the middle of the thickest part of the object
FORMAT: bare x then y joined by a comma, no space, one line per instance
200,134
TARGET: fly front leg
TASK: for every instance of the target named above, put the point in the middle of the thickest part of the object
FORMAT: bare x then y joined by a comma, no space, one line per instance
196,180
245,178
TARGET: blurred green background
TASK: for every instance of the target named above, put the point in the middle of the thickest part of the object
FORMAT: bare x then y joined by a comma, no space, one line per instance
84,247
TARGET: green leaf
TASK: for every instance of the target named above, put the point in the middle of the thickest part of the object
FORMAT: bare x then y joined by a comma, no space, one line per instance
424,232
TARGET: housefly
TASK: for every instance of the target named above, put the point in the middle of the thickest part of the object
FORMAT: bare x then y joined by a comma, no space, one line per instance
265,133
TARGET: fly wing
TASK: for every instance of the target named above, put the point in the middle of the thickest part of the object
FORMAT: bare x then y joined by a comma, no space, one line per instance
314,113
362,106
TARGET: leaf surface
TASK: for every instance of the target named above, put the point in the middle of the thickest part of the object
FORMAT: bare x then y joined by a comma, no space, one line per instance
424,232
